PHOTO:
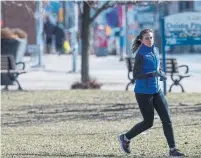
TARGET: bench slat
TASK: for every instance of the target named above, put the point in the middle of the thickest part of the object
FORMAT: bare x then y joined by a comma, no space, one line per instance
4,63
171,65
12,71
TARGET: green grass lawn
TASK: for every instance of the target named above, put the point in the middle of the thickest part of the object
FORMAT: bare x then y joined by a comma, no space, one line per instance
86,124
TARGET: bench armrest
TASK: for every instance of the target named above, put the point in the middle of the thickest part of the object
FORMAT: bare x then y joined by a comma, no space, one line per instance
186,66
22,64
129,77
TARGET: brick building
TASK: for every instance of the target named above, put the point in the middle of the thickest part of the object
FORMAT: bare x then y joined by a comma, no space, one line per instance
20,14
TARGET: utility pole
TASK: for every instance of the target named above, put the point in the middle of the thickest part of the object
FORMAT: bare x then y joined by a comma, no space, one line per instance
39,32
64,14
72,12
162,27
123,33
126,31
75,37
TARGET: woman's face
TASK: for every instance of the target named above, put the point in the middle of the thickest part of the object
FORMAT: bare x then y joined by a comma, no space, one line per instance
148,39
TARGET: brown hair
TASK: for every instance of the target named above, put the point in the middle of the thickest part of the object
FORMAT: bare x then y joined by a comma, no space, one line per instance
137,42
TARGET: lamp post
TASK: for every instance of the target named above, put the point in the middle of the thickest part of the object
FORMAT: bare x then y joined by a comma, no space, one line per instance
72,26
162,23
75,39
39,31
64,13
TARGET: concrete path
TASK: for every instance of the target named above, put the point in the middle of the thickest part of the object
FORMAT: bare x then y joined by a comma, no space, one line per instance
57,75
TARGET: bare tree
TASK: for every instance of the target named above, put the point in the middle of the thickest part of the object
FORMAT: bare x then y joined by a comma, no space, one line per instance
86,21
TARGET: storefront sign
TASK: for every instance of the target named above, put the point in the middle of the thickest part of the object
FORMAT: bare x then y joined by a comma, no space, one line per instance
183,29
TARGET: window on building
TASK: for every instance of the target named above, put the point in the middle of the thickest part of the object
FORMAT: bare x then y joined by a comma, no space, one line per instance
185,5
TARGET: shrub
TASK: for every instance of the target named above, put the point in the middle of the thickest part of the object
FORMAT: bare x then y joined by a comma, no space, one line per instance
92,84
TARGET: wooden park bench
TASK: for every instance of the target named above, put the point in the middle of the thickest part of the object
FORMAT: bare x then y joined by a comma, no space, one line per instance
172,69
9,73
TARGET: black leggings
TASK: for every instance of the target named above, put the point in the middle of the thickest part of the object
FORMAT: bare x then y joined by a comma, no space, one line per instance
147,103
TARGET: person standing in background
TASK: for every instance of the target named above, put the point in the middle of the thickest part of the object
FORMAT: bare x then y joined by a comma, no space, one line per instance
48,32
59,38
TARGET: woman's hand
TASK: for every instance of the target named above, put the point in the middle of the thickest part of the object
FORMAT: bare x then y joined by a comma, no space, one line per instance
162,75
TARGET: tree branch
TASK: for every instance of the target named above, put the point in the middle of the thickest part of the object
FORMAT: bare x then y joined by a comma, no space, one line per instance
79,7
104,6
92,4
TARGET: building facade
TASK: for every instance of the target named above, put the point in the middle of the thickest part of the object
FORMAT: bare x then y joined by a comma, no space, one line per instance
20,14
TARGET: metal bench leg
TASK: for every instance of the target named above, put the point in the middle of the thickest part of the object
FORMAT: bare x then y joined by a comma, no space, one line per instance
181,87
128,85
14,78
176,85
170,89
19,86
6,88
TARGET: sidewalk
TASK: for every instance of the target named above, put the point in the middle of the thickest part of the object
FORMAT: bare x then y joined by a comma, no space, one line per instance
109,70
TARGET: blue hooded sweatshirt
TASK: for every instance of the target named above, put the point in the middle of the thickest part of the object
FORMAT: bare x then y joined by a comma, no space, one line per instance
147,63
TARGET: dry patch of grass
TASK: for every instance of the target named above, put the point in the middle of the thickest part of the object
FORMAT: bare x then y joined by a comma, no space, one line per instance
86,96
86,124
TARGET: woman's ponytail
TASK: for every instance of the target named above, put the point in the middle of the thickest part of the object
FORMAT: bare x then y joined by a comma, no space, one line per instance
136,43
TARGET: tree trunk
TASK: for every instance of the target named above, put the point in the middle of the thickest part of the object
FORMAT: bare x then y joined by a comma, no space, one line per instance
85,43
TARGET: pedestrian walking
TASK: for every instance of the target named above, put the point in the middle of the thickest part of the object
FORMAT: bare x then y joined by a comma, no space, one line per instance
59,38
48,31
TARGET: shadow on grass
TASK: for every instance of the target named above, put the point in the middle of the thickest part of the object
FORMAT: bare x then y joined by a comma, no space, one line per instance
198,109
41,114
29,115
77,155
